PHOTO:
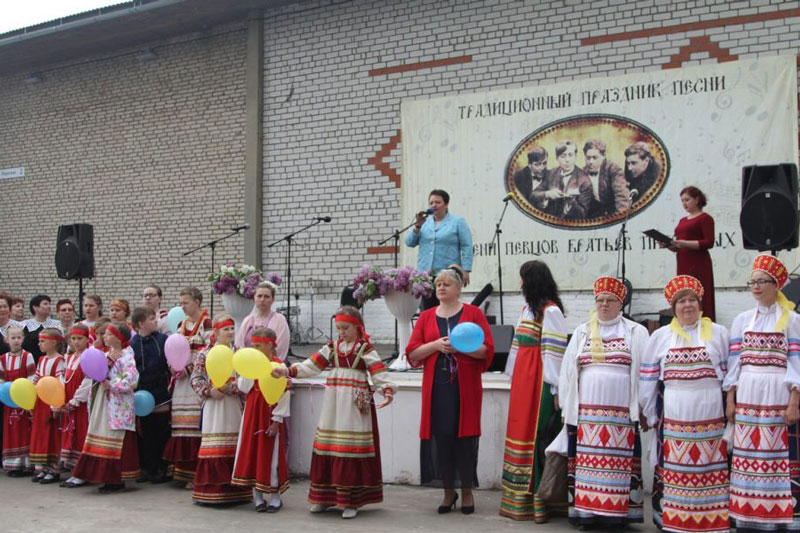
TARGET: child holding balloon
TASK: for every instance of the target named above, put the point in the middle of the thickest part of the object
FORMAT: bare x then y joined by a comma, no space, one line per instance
261,461
75,414
110,455
345,462
46,427
17,363
221,420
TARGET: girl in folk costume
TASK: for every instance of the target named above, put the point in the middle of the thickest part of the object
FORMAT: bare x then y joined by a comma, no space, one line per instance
46,427
535,359
346,463
110,455
119,310
184,443
763,384
75,414
599,395
17,363
222,416
264,317
261,453
687,360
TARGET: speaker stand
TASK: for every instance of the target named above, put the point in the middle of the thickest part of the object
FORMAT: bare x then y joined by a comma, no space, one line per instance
81,294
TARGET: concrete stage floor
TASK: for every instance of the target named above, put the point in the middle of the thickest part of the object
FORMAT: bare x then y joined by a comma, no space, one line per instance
29,507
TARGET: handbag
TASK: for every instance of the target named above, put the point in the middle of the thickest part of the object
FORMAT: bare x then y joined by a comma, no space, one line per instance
553,485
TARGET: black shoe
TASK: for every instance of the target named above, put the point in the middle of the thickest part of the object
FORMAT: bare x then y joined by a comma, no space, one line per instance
275,508
144,478
50,478
109,488
38,477
16,473
157,480
261,507
468,509
443,509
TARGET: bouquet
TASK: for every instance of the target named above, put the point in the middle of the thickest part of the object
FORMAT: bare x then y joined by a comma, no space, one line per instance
240,279
373,282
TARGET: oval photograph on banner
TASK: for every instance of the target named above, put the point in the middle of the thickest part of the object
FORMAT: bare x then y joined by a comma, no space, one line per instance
587,171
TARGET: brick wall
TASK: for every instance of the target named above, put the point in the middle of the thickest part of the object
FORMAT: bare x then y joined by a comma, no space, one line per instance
335,76
151,153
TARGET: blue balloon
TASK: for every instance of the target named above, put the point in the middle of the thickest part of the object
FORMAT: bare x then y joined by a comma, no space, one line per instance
143,403
466,337
174,318
5,395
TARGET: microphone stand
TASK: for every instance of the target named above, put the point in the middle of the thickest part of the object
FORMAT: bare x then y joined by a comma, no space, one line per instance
396,237
213,246
623,232
288,238
496,237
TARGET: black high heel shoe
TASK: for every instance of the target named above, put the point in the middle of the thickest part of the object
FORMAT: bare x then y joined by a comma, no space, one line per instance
468,509
443,509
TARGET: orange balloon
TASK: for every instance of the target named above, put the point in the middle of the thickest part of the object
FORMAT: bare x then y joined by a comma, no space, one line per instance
51,391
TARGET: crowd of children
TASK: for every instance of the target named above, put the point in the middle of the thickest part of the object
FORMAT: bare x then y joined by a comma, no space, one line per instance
226,444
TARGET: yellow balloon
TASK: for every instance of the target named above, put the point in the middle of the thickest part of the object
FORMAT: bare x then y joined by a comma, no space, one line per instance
23,393
272,388
219,364
251,363
50,391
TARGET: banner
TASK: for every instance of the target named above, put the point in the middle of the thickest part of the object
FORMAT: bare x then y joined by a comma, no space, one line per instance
579,159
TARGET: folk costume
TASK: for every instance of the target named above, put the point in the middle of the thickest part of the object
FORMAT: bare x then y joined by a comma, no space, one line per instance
184,443
75,415
110,453
220,431
680,392
764,367
599,394
16,421
452,394
46,425
346,461
536,354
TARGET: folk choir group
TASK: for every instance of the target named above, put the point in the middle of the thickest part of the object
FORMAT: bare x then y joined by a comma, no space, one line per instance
723,404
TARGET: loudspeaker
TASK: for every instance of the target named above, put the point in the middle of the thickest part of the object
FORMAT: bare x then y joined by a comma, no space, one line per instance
502,337
769,215
75,251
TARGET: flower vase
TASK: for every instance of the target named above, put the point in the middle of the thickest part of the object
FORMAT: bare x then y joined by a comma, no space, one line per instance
402,305
238,307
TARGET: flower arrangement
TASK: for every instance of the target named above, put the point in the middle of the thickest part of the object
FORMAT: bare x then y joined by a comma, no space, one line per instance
240,279
373,282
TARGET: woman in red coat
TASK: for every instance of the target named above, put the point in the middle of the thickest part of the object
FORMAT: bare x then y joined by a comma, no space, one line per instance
451,392
694,236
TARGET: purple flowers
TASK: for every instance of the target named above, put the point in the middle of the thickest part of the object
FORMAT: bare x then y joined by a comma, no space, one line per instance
372,283
242,280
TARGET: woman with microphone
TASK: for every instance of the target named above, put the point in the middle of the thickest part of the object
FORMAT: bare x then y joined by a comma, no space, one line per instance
443,239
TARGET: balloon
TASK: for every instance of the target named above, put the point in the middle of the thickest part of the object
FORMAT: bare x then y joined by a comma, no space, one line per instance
219,364
177,351
251,363
272,388
5,395
50,391
23,393
94,364
466,337
143,403
175,317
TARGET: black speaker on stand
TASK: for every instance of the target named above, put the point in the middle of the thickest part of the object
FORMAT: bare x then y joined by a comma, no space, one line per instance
769,217
75,256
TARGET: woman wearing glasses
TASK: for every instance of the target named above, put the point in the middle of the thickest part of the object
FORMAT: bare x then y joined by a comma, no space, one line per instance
451,392
151,297
763,384
599,392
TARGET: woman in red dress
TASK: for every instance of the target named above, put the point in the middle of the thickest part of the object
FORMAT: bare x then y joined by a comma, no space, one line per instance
694,236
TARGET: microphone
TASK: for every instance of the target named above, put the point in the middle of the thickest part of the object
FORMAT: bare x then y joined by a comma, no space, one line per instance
429,211
509,196
634,192
240,228
323,219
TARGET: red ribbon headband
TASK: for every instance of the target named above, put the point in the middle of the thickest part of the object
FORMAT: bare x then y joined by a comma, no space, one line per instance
353,320
224,324
78,331
114,331
261,340
51,338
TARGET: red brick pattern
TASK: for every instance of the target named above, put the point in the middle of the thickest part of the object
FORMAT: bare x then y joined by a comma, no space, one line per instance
381,165
696,45
420,65
691,26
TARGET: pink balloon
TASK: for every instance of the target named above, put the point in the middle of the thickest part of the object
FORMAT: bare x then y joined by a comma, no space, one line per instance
94,364
177,351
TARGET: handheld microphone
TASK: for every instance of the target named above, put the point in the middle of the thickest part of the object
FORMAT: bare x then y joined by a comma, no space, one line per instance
240,228
323,219
634,192
509,196
429,211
